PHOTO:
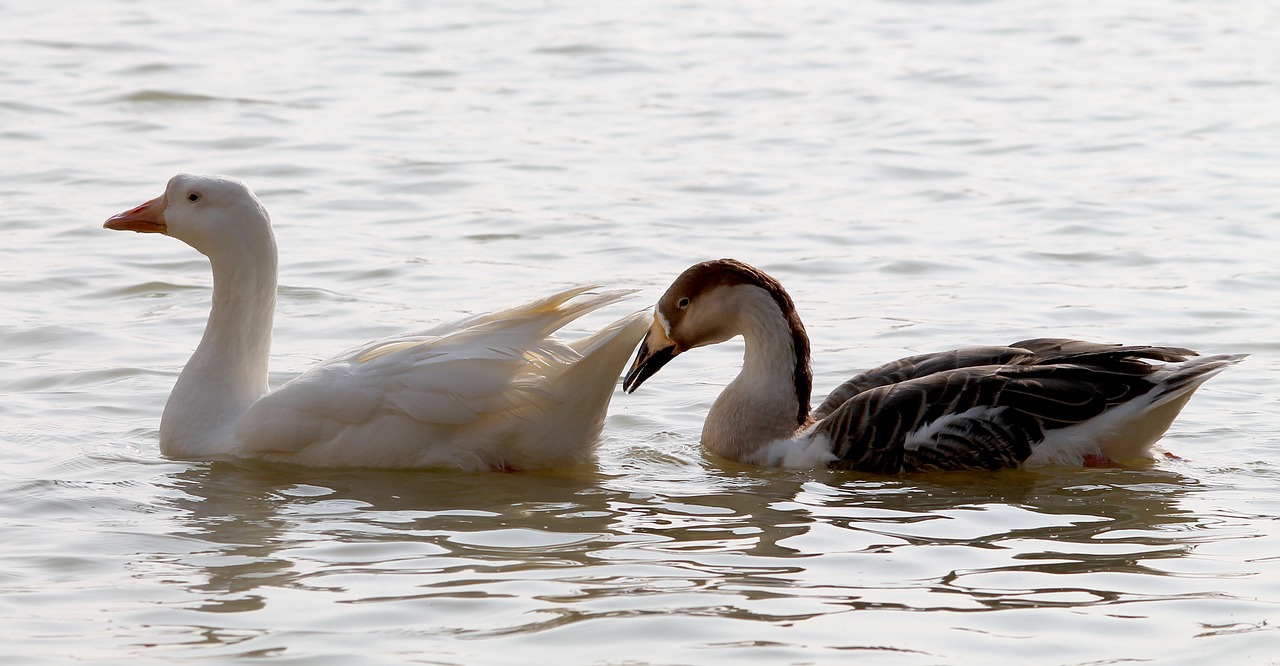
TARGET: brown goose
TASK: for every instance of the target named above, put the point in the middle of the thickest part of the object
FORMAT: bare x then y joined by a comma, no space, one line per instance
1034,402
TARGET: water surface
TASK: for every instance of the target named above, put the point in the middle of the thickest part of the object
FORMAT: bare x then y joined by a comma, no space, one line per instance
920,175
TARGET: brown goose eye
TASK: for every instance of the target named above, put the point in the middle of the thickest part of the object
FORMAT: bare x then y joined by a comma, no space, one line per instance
683,303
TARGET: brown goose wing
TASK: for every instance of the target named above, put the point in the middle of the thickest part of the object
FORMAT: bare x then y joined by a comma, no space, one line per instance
1035,351
986,417
915,367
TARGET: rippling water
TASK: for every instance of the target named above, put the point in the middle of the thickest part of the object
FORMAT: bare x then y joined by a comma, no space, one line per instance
920,175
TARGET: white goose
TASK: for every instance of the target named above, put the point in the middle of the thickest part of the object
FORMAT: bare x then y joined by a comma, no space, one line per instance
493,391
1035,402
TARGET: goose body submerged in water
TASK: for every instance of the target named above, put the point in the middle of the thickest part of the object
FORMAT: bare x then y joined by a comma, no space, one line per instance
492,391
1034,402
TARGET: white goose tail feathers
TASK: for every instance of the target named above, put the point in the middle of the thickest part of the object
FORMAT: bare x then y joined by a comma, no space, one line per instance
492,391
575,391
551,313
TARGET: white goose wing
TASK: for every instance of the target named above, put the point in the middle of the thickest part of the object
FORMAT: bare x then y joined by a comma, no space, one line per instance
420,384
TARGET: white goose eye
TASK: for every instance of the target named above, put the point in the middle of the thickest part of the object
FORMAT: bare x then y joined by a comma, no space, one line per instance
683,303
193,197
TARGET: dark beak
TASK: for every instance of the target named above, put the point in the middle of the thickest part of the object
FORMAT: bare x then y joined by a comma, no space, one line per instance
655,350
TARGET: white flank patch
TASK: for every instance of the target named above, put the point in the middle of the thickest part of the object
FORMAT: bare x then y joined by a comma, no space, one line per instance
927,434
1069,445
799,453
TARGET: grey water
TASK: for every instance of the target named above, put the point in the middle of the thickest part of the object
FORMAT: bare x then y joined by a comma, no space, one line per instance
919,174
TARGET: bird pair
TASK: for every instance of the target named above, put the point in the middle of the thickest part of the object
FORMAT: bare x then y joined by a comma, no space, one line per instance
501,391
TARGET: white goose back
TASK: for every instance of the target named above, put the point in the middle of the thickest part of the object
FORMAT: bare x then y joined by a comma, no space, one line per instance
495,391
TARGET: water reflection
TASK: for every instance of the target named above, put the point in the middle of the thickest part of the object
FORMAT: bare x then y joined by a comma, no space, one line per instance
1029,538
237,515
489,555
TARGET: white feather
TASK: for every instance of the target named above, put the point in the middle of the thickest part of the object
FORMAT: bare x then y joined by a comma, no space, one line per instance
492,391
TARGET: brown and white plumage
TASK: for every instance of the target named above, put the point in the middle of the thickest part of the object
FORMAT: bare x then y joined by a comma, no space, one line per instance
1034,402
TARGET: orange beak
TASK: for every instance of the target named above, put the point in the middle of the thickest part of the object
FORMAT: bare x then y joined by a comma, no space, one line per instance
145,219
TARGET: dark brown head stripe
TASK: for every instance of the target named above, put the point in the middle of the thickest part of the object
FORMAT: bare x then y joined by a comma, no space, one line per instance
729,272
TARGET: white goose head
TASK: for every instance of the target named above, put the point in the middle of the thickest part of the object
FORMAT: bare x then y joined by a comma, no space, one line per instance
209,213
714,301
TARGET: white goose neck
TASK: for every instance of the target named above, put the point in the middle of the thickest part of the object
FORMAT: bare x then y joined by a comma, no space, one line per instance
228,370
